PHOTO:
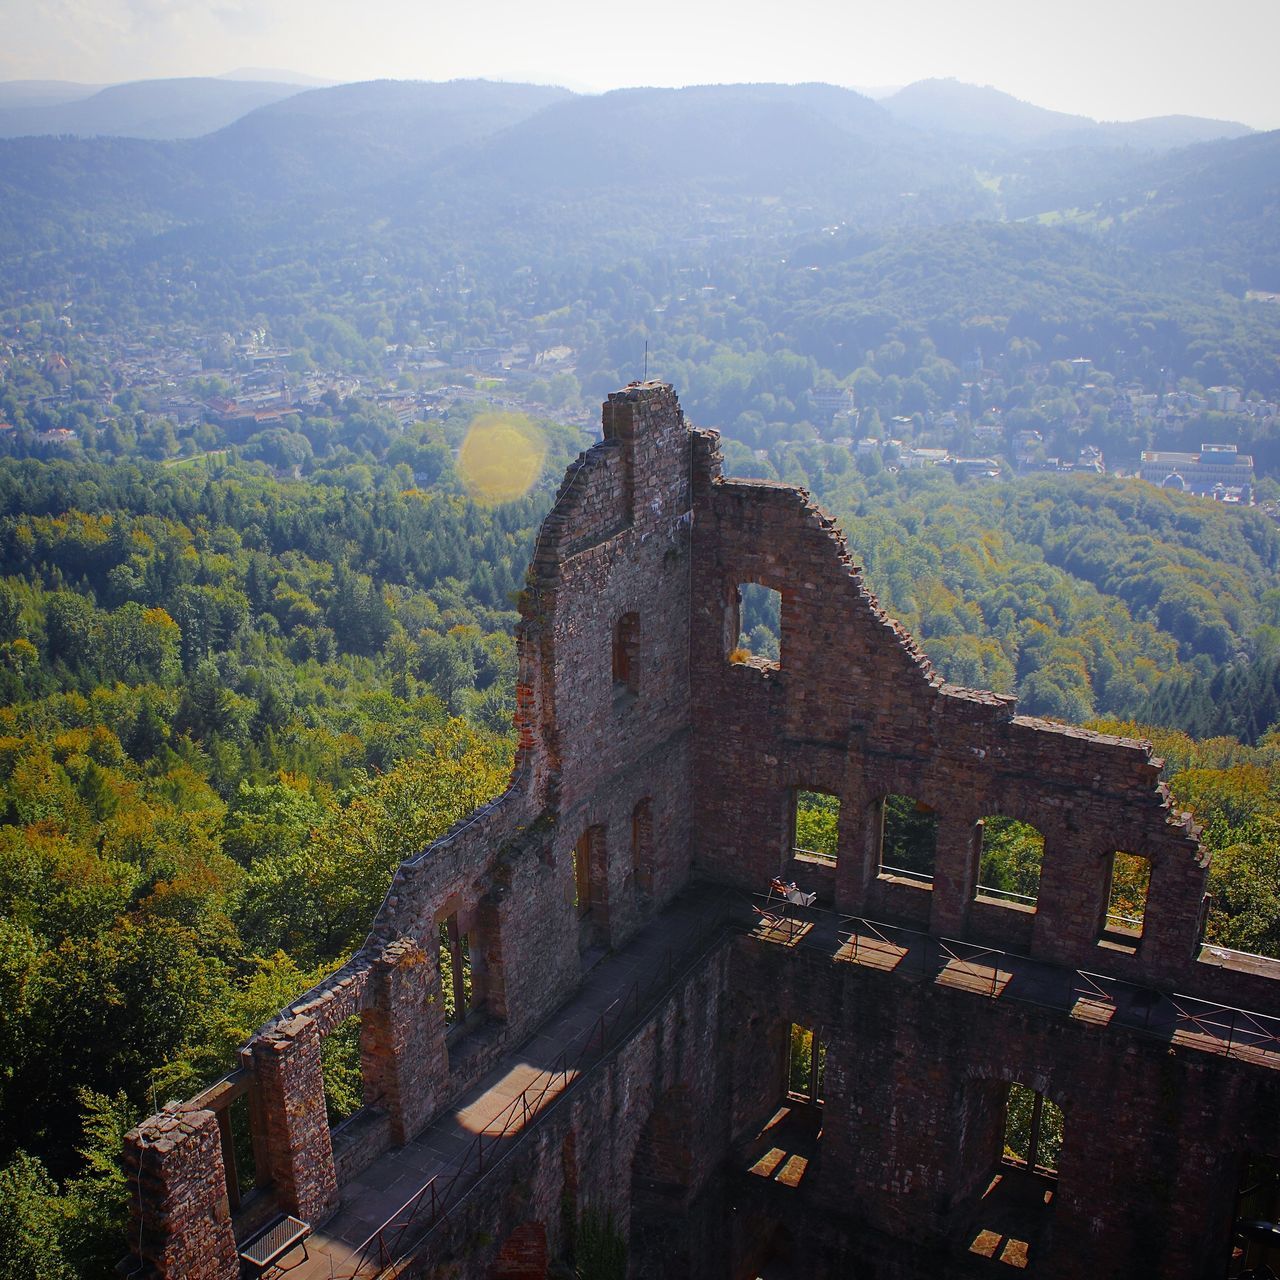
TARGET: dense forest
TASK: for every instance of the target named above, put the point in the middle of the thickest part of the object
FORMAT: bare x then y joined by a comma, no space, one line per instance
252,654
232,706
233,702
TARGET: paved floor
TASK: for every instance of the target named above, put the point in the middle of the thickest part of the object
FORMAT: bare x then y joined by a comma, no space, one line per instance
438,1166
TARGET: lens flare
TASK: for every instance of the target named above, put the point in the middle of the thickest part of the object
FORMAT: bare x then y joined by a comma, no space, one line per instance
501,457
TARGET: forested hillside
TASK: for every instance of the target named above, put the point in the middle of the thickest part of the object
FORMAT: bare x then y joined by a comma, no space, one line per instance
281,408
232,706
233,703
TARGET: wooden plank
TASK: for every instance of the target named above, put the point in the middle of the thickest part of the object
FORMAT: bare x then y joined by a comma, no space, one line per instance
222,1094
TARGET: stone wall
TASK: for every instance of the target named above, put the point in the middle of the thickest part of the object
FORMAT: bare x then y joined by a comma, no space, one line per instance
180,1220
648,757
853,708
912,1124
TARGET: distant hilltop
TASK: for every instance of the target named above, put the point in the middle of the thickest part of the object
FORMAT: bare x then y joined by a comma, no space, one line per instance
191,107
951,106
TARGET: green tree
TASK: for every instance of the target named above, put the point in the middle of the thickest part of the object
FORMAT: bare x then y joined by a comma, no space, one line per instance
32,1222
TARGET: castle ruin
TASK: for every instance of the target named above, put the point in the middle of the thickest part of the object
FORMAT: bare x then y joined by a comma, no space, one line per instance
629,999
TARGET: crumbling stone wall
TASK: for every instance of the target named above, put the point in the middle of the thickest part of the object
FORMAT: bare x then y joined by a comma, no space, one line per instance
175,1168
647,758
854,708
592,754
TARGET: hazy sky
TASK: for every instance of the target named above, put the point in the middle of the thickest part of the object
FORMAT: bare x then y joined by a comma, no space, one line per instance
1111,59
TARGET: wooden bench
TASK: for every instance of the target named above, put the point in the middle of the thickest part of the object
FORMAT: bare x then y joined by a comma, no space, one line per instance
266,1249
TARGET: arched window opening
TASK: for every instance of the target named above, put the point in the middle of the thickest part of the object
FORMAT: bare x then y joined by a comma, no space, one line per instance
626,654
908,840
590,888
661,1189
582,873
1010,863
816,824
756,627
1128,881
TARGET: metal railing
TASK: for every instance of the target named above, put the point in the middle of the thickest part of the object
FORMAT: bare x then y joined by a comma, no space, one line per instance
816,854
906,873
956,960
918,956
1115,919
1229,1028
880,942
1006,895
432,1203
787,924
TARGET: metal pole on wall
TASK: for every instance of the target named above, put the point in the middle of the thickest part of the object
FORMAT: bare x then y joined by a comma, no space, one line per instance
1033,1146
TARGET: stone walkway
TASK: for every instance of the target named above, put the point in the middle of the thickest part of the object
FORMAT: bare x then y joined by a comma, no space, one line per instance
407,1187
442,1159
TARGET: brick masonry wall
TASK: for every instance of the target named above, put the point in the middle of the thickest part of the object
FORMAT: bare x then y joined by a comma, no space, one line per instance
912,1126
618,545
179,1219
854,708
653,1106
697,760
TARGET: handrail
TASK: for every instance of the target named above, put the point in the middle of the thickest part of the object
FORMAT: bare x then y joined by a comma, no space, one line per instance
1126,922
444,1192
948,948
991,891
814,853
1138,1008
1093,988
1230,1030
923,876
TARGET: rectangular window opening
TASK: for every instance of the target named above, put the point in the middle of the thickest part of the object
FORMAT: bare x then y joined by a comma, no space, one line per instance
1015,1214
805,1077
1010,863
908,840
340,1069
456,984
1128,882
758,633
237,1150
789,1141
1033,1131
817,824
626,654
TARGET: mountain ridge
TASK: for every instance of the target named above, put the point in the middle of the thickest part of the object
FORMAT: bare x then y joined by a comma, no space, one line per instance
154,109
985,112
